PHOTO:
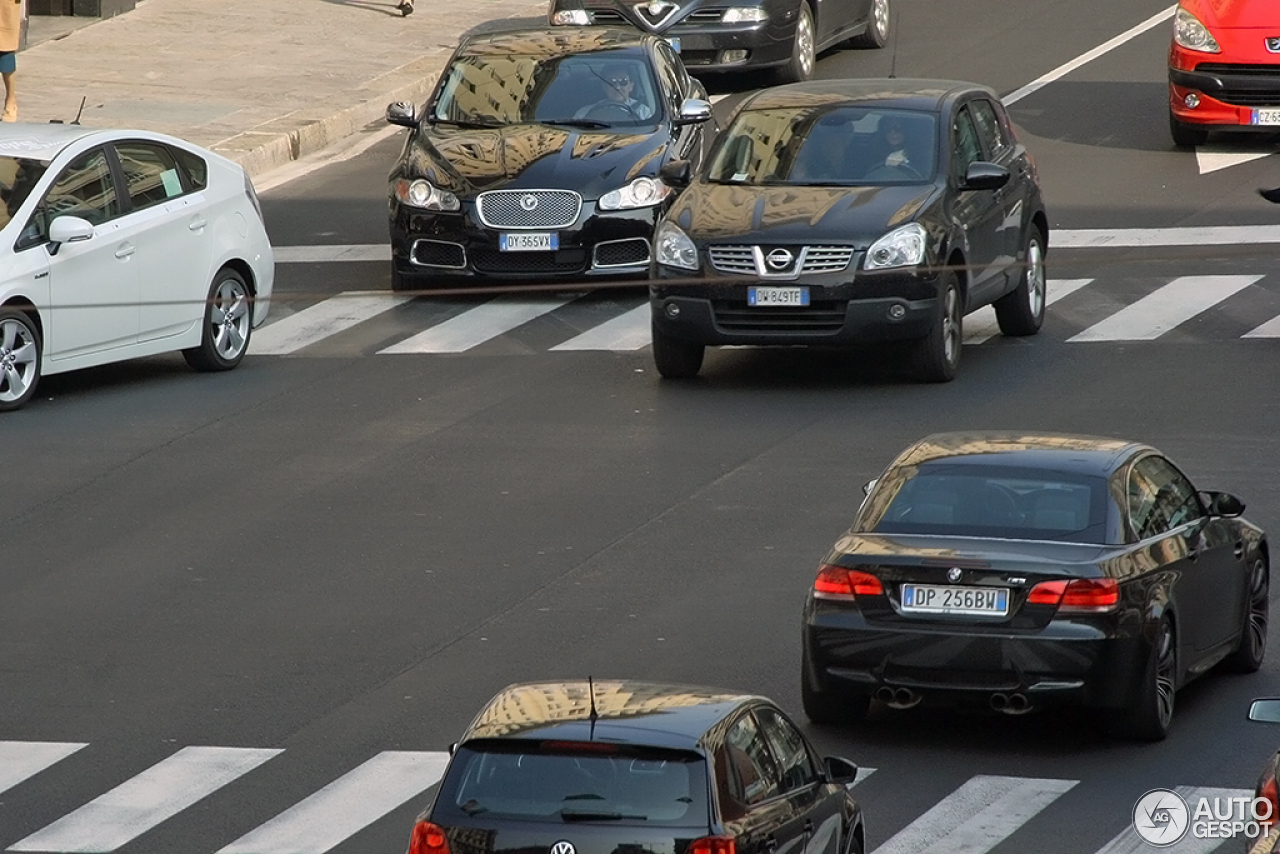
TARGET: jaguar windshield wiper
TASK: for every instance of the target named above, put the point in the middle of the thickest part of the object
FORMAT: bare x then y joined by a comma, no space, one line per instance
576,123
573,815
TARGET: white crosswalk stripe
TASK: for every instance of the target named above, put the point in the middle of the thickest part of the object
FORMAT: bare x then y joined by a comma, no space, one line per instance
978,816
981,324
345,806
476,326
22,759
139,804
1129,842
1270,329
626,332
1157,313
321,320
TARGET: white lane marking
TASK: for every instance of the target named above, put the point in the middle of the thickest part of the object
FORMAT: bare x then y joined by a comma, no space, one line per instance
1129,842
982,324
325,254
22,759
345,806
1215,235
1089,56
1158,312
476,326
626,332
140,803
1211,159
978,816
1270,329
321,320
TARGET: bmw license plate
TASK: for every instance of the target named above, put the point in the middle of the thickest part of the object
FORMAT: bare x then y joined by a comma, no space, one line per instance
675,44
939,599
531,241
778,296
1266,117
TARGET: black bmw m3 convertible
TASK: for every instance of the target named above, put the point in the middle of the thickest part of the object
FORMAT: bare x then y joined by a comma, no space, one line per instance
1017,571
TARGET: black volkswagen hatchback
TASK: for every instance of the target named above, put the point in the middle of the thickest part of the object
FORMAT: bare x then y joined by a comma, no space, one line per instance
537,157
607,767
848,212
1022,570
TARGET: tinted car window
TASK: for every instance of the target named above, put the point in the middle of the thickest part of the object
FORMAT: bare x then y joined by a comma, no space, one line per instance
757,777
788,746
195,167
990,131
987,501
151,172
84,189
830,146
965,147
1160,498
534,781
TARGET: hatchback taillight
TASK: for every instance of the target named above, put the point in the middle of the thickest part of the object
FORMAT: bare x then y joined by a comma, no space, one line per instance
1270,792
836,582
428,838
713,845
1082,596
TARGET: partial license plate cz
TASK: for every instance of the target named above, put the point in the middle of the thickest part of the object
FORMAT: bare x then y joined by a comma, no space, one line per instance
528,241
940,599
778,296
1267,117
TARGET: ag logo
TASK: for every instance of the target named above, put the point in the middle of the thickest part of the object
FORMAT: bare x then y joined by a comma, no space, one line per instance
1161,818
564,846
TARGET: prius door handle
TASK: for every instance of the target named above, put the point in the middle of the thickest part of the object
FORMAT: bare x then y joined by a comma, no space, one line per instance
125,250
197,223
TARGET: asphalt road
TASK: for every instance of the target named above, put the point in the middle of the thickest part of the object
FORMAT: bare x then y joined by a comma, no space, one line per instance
340,553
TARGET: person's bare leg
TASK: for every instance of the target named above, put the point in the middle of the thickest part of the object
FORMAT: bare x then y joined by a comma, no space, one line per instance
10,97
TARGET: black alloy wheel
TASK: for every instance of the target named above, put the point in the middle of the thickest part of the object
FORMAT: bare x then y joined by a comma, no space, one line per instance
1021,311
1186,135
676,359
228,323
1247,657
1149,718
937,355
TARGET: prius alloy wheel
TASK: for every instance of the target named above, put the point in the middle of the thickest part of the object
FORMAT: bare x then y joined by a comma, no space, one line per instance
228,322
19,358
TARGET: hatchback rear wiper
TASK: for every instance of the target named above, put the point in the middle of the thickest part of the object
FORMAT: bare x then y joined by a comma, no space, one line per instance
576,123
572,815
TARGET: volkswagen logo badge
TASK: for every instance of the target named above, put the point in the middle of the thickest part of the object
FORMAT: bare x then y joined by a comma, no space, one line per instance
1273,44
953,574
564,846
779,259
529,202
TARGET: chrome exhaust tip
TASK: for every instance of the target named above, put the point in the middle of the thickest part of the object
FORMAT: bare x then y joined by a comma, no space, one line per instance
884,694
999,702
1018,704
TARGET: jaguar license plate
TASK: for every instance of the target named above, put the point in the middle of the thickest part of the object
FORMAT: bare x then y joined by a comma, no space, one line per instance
1269,116
939,599
778,296
675,44
532,241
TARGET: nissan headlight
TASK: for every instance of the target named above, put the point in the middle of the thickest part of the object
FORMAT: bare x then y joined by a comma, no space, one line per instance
745,15
420,193
902,247
570,17
674,248
640,193
1193,35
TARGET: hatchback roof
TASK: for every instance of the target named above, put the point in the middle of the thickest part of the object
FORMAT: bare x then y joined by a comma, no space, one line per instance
628,712
1061,451
885,92
551,41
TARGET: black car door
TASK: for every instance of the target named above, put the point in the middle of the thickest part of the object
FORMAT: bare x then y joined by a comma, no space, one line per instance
978,212
832,17
677,85
1013,197
803,784
752,805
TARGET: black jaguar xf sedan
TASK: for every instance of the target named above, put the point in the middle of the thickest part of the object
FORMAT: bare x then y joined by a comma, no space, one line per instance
850,212
1024,570
714,36
537,158
601,767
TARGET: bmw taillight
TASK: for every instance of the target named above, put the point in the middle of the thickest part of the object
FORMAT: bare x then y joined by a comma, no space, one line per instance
428,838
713,845
837,582
1081,596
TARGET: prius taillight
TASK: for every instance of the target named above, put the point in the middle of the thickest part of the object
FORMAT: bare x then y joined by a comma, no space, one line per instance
837,582
428,838
1082,595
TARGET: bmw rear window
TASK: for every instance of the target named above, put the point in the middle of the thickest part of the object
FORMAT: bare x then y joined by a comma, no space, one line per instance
561,782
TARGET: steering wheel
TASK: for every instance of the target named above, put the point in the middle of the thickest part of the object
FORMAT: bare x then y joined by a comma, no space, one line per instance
886,172
612,111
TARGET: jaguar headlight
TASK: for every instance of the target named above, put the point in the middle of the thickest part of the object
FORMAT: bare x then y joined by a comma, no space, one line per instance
1193,35
902,247
674,248
640,193
420,193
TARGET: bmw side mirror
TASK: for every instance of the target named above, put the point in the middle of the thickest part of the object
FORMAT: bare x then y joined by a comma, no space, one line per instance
693,111
1223,503
676,173
985,176
68,229
839,770
401,113
1267,711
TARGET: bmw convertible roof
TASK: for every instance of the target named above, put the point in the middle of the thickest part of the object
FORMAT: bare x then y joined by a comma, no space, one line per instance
1095,455
554,41
885,92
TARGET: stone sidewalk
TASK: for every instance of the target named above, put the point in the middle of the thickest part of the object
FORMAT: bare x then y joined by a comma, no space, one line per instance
263,82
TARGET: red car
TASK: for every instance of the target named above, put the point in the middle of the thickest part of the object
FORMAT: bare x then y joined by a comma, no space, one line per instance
1224,68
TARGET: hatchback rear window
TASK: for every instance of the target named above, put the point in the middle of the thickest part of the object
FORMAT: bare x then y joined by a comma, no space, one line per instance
599,783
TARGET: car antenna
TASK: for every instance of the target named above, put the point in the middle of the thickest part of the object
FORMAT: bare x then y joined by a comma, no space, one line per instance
591,692
76,120
893,60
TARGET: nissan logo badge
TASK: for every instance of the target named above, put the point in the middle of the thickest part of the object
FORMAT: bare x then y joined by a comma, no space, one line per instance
529,202
779,259
564,846
953,574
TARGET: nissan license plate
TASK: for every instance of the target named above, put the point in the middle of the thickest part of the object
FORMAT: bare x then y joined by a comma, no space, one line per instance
939,599
778,296
1267,117
531,241
675,44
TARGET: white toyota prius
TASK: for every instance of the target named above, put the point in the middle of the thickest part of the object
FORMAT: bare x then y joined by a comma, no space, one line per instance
116,244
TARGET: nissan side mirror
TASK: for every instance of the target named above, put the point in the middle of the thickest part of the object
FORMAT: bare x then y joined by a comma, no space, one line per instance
68,229
693,111
984,176
401,113
839,770
1267,711
1223,503
676,173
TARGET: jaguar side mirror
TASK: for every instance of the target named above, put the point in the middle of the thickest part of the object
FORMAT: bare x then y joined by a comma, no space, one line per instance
401,113
840,770
693,111
68,229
